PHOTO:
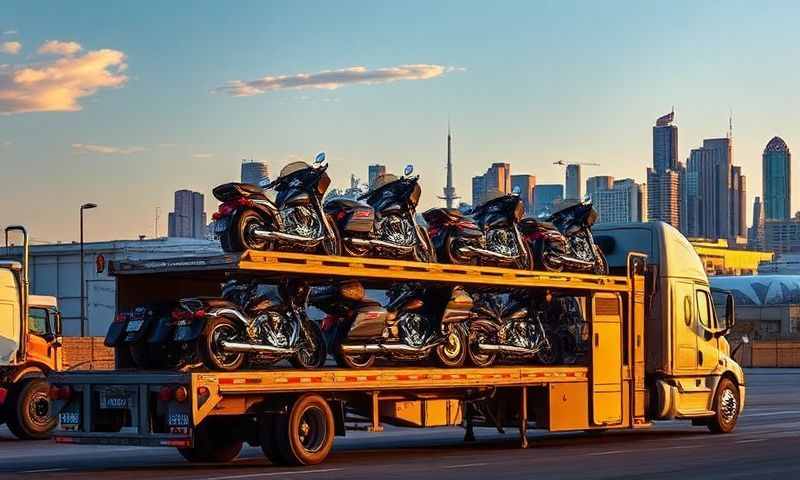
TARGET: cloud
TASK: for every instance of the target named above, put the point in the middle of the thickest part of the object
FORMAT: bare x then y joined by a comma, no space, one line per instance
55,47
56,86
10,32
106,149
333,79
11,48
202,155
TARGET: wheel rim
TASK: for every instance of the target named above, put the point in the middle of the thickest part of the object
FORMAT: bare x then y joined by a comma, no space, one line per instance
475,351
312,430
452,348
309,353
251,241
222,333
728,405
39,409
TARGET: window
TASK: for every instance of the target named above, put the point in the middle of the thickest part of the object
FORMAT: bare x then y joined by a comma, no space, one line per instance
704,312
37,321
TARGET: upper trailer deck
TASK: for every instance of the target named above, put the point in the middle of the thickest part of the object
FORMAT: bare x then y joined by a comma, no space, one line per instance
282,264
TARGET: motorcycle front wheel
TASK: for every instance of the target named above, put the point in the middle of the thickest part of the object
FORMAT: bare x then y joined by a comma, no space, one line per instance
218,330
453,257
313,353
551,354
546,258
453,352
332,243
423,251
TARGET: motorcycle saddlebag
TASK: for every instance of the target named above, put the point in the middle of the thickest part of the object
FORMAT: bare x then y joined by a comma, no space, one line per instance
116,333
351,216
188,330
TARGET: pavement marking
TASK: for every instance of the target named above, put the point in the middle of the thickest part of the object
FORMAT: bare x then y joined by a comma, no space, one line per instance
752,440
466,465
610,452
272,474
769,414
44,470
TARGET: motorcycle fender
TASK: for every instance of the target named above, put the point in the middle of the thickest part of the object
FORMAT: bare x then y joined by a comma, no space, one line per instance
187,332
115,334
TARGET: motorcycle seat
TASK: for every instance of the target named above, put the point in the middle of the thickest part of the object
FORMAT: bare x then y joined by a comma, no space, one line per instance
368,302
452,214
532,223
229,191
214,302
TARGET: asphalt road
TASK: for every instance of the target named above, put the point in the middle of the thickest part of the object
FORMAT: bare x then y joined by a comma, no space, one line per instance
765,444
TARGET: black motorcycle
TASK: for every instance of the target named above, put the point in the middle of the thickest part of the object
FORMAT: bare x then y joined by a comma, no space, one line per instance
490,237
564,241
141,337
507,327
295,220
386,225
416,322
251,322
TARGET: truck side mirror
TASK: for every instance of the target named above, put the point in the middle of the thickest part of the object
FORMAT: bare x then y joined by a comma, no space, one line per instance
58,324
730,313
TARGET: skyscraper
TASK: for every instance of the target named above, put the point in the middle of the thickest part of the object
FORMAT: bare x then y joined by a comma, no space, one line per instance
527,188
624,202
573,182
597,183
776,165
254,172
375,171
544,196
189,218
665,143
665,190
496,180
755,235
449,190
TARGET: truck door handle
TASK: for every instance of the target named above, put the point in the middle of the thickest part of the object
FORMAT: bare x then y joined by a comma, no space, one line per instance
700,357
596,339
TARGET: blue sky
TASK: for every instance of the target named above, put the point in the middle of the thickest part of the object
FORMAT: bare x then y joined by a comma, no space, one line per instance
523,82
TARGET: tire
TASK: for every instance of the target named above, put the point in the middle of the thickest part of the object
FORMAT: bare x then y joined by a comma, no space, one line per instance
453,353
726,406
525,260
452,257
424,251
28,412
266,435
332,245
305,435
241,238
213,443
544,259
601,264
476,357
344,360
218,329
554,354
310,359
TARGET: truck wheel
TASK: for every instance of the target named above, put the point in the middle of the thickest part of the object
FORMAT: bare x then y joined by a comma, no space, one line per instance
214,443
220,329
305,435
726,406
28,415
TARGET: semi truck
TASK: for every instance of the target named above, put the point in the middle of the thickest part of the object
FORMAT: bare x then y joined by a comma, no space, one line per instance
656,351
30,348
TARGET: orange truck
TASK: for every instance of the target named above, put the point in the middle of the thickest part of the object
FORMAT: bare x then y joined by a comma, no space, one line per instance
655,350
30,348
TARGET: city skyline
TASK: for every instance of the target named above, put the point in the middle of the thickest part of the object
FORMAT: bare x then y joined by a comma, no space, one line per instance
177,109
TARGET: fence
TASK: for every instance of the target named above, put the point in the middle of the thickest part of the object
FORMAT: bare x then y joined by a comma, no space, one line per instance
770,353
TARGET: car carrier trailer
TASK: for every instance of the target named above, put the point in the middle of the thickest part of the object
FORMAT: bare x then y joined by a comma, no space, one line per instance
295,414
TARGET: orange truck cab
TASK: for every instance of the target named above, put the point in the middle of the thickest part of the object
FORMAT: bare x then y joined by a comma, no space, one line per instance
30,348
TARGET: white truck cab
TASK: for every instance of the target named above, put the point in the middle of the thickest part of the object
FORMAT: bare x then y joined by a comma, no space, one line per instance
688,360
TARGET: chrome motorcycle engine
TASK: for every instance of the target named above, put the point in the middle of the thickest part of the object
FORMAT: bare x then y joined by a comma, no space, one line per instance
271,328
581,248
302,221
397,229
413,329
502,241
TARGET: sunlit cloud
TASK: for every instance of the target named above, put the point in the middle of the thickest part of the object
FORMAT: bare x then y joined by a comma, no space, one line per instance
55,47
58,85
202,155
11,48
333,79
106,149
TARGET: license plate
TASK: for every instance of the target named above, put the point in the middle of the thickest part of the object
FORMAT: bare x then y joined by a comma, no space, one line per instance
221,225
115,403
134,325
69,418
178,420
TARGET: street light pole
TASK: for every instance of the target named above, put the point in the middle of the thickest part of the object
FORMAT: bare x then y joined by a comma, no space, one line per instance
85,206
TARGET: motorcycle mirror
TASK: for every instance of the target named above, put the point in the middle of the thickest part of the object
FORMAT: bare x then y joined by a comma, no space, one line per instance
408,170
516,190
587,198
319,158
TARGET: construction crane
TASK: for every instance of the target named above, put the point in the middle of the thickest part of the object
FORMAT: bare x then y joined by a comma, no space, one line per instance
563,163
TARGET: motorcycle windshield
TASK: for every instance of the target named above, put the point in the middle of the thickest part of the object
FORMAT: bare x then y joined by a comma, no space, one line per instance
388,190
508,207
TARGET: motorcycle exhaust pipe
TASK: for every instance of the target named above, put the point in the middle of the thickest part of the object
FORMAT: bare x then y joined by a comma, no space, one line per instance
482,252
392,347
287,237
251,348
362,243
507,349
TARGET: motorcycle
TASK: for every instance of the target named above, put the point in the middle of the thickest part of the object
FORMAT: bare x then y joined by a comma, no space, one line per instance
262,323
492,238
295,220
564,241
385,225
142,335
416,322
506,327
570,327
